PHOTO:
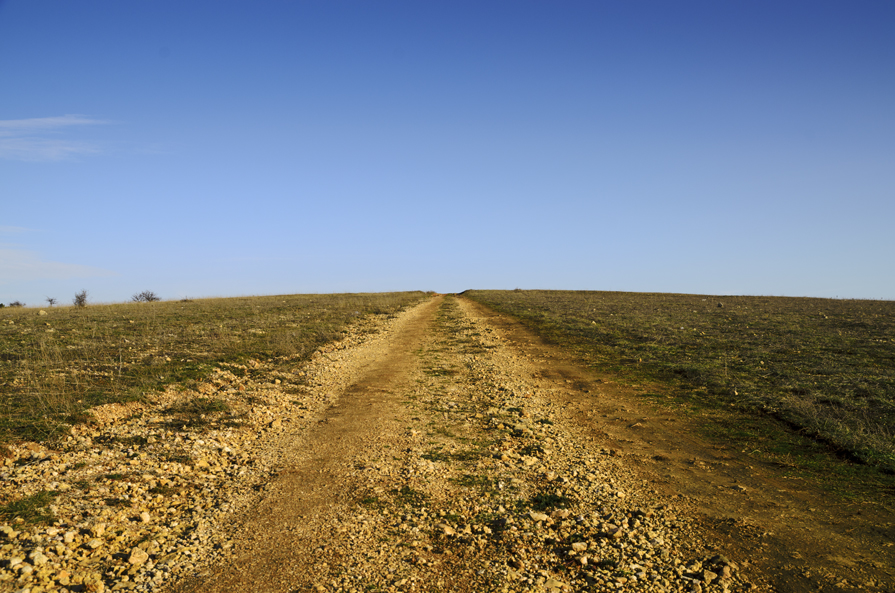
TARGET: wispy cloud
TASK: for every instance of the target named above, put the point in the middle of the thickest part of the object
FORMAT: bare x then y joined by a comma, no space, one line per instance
13,230
19,265
33,139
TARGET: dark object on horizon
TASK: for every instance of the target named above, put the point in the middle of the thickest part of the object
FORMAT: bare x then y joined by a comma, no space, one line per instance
80,299
147,296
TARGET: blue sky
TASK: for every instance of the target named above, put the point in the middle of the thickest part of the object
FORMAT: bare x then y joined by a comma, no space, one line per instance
237,148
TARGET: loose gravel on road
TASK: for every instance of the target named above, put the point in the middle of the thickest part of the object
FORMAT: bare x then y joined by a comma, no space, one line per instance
419,453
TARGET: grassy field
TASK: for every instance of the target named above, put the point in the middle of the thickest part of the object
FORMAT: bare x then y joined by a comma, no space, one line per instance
816,368
54,367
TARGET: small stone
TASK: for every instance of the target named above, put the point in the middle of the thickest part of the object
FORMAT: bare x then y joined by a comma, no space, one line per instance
144,517
9,532
555,584
41,312
616,533
561,514
708,576
536,516
138,557
37,558
94,543
98,529
69,536
446,529
276,423
579,546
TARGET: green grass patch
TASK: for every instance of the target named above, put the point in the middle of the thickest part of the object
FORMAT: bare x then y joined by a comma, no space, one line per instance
476,482
31,509
544,501
371,502
821,369
409,496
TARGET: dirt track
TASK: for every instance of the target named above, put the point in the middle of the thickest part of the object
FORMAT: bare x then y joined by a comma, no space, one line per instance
465,455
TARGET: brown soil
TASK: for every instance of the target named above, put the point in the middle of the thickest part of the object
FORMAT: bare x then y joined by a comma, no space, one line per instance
386,491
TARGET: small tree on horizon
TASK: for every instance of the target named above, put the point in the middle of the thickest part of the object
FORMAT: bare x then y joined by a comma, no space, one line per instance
51,301
147,296
80,299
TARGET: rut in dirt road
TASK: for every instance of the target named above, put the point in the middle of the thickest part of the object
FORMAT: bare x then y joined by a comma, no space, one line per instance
449,465
277,541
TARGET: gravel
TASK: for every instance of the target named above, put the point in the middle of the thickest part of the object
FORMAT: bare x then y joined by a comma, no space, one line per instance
490,485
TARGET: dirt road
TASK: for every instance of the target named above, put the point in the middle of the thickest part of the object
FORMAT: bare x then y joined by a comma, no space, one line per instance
461,454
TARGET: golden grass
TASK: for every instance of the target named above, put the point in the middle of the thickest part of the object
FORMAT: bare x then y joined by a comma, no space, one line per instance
55,366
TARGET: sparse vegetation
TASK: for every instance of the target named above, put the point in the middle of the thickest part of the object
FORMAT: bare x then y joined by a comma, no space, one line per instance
197,411
147,296
16,304
80,299
31,509
824,368
51,301
409,496
118,353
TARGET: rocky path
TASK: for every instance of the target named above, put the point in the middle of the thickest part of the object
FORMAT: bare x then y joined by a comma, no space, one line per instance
442,450
448,466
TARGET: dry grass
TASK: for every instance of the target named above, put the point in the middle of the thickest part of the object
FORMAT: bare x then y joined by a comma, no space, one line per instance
54,367
825,368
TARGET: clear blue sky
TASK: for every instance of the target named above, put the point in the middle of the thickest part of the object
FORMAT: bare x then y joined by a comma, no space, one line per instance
237,148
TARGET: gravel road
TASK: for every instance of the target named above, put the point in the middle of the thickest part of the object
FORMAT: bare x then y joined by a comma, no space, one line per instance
424,452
